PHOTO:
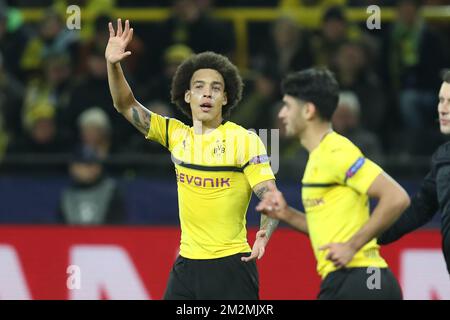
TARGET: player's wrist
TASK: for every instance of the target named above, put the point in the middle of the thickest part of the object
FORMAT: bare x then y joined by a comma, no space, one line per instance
287,214
353,245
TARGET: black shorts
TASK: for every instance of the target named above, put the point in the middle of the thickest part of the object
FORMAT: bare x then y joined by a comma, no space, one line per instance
226,278
360,284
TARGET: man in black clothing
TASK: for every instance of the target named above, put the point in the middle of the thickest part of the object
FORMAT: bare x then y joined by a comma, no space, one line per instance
93,198
434,194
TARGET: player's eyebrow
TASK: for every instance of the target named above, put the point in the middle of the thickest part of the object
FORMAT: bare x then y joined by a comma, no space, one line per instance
203,82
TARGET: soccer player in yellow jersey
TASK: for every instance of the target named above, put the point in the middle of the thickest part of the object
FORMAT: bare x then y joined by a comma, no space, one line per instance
337,184
217,165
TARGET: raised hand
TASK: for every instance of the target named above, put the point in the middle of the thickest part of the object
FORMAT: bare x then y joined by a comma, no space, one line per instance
118,42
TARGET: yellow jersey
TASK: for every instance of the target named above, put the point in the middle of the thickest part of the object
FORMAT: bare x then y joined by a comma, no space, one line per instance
215,175
334,195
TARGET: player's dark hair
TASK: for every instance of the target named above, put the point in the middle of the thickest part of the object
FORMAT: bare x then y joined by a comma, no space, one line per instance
315,85
446,76
207,60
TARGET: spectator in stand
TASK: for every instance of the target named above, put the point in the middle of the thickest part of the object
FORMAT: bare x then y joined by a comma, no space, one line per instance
92,198
334,31
95,81
354,73
53,38
95,130
415,55
260,100
11,96
13,39
346,121
40,150
289,49
41,132
159,88
192,25
54,87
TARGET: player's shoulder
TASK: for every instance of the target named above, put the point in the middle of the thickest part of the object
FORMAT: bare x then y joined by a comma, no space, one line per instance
176,127
240,131
176,123
338,145
230,125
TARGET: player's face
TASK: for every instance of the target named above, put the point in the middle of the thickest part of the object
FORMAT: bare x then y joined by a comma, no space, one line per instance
207,95
444,108
291,114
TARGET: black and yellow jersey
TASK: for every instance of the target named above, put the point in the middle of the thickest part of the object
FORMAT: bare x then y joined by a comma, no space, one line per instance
215,175
334,194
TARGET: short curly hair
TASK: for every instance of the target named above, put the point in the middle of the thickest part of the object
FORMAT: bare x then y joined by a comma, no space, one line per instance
206,60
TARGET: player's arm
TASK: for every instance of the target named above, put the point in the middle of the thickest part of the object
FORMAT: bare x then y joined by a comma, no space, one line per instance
274,205
423,207
267,225
392,201
122,95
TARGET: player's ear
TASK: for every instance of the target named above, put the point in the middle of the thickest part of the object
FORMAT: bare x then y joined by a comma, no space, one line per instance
310,110
225,99
187,96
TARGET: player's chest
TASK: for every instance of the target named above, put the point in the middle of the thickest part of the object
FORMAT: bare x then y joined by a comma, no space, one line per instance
209,152
316,186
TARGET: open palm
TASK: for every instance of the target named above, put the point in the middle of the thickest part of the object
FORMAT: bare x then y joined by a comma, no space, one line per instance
118,42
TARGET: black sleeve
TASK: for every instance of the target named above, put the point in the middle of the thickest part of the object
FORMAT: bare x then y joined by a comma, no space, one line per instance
423,207
116,211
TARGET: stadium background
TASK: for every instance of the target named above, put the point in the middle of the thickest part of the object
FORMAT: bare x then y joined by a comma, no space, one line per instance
50,75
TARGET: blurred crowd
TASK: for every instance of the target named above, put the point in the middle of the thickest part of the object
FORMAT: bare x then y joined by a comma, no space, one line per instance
55,100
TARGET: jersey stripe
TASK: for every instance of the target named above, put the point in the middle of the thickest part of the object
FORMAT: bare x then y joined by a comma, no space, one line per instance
206,168
319,185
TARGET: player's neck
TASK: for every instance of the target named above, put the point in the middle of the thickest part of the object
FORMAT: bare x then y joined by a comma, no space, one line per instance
314,134
204,127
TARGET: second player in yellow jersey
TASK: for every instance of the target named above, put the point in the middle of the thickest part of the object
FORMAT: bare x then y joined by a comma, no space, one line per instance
336,186
334,195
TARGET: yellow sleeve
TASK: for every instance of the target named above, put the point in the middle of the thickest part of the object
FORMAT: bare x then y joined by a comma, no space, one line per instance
256,161
350,167
165,130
